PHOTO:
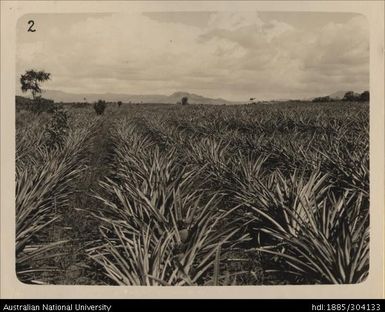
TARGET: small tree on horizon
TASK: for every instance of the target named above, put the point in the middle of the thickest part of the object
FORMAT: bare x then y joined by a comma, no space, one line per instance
349,96
100,106
184,100
365,96
31,81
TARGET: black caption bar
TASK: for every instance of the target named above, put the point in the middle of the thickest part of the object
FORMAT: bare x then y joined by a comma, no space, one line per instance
139,305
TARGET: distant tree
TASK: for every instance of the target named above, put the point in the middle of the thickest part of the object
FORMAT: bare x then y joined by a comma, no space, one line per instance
349,96
322,99
119,103
31,81
184,100
100,106
364,96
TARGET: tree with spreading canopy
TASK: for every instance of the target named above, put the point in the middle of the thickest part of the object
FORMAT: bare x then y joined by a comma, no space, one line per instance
32,80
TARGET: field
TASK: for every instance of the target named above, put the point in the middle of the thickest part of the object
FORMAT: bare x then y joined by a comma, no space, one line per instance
194,195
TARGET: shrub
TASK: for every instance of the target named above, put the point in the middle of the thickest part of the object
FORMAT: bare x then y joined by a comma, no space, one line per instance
99,107
57,129
184,100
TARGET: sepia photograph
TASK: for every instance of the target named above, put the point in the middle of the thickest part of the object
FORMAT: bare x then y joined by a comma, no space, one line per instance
193,147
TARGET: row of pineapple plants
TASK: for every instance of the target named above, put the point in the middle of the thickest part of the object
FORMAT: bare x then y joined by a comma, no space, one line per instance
242,181
49,157
158,225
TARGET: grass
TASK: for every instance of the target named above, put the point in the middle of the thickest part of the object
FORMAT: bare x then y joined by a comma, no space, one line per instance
196,195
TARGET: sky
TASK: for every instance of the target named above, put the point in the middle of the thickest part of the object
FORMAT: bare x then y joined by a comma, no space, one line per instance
233,55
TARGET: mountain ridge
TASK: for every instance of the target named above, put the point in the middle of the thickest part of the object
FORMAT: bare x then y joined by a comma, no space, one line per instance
67,97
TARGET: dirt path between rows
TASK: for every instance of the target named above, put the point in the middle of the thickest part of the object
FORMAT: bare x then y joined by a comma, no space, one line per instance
78,226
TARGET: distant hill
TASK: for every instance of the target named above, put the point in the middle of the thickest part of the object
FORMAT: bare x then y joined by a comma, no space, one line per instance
65,97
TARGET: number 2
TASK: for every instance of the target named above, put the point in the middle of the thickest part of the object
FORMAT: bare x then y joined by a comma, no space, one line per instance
31,23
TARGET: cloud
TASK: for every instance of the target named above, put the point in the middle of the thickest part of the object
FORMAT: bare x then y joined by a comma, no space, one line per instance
236,55
234,20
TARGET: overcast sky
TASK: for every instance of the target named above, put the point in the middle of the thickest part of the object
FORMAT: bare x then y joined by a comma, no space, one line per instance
233,55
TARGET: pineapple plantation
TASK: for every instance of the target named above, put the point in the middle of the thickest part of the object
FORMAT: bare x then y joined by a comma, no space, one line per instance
204,195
